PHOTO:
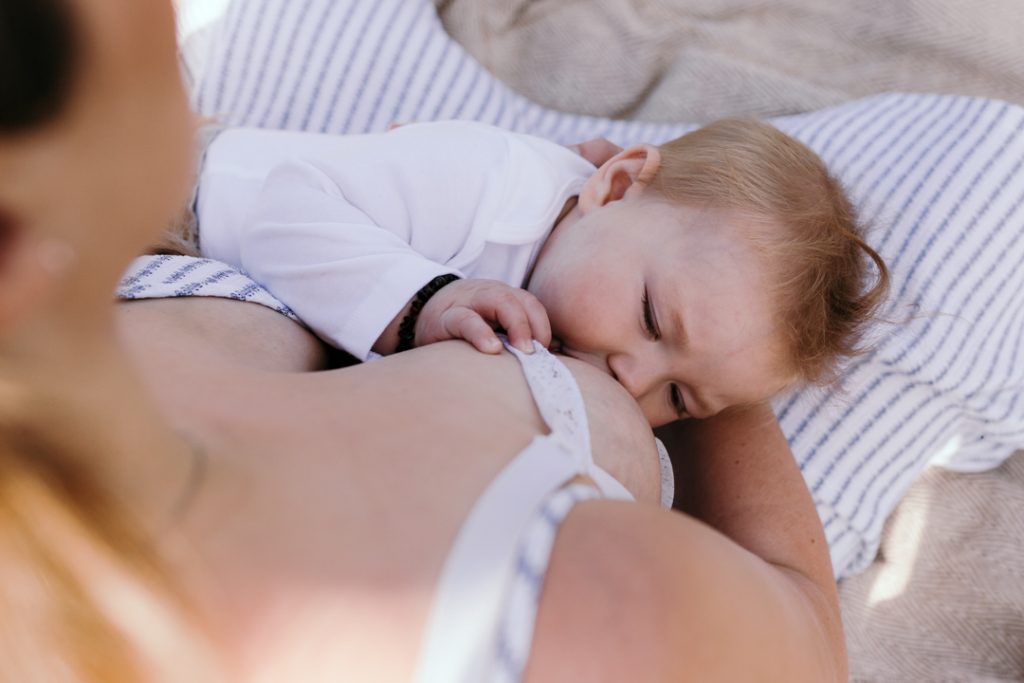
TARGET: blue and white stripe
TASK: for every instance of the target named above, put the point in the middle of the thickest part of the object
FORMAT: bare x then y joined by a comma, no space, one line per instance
151,277
519,613
356,67
937,178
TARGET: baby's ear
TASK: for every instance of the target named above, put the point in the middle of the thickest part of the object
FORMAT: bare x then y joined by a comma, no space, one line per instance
625,174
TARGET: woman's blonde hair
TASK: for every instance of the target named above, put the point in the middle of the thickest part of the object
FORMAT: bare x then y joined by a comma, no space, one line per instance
807,231
83,595
180,237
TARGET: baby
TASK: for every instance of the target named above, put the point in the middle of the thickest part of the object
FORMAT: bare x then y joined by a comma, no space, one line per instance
709,272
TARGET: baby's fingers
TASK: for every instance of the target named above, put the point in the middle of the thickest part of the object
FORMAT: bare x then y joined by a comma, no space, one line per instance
513,317
540,326
464,323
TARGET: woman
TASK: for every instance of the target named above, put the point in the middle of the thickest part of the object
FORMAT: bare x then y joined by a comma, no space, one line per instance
203,494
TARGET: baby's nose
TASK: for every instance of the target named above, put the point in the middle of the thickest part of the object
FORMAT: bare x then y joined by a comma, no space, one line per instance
628,373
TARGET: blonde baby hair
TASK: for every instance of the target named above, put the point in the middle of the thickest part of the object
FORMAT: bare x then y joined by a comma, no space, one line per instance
808,232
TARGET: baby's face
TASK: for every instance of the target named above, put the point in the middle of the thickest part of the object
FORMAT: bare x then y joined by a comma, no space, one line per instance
671,301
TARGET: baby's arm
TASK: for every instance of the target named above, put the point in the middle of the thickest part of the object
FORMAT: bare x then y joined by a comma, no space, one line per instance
344,276
470,310
348,235
353,282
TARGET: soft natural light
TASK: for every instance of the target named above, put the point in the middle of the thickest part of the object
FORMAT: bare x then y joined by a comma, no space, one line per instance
946,453
196,14
906,532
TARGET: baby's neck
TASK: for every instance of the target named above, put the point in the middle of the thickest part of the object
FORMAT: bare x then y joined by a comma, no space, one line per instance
570,204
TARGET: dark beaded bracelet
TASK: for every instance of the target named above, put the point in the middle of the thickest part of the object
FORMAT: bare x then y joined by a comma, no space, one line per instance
407,329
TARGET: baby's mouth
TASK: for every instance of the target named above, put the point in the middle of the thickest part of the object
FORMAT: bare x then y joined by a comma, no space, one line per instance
561,349
583,357
564,350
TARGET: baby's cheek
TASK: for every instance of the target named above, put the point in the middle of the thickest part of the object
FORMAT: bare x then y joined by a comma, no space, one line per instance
566,323
653,413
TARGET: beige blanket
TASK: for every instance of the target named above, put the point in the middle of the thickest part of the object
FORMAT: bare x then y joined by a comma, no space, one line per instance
945,599
697,60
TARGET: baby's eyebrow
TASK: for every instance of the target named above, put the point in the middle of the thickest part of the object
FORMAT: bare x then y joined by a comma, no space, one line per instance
678,326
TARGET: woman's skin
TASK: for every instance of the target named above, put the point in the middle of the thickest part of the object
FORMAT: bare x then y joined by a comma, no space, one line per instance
304,468
314,499
328,500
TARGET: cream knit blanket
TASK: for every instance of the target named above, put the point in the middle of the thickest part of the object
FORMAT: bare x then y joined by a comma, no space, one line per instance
697,60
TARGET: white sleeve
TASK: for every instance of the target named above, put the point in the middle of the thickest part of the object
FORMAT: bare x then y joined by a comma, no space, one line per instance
342,274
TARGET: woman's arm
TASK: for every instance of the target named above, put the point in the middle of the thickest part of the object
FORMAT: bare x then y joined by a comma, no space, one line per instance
736,473
740,591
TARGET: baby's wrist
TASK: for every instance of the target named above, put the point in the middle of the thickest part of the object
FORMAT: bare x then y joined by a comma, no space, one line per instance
407,328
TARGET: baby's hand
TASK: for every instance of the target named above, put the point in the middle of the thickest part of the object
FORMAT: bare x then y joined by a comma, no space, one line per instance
471,309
